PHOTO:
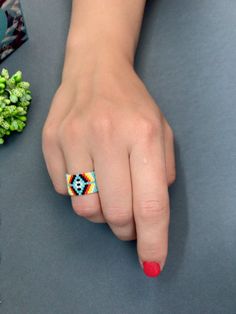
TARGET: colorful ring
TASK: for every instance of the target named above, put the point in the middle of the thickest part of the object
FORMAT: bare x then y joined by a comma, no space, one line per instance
81,183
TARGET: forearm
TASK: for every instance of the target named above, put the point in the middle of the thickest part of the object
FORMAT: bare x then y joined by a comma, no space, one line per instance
102,31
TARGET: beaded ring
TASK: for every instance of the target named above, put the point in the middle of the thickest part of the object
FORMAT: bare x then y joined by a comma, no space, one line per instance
81,183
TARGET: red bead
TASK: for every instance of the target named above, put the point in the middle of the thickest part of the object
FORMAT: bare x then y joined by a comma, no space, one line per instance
151,269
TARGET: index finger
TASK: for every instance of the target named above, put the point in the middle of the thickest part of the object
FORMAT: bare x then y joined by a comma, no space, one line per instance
150,203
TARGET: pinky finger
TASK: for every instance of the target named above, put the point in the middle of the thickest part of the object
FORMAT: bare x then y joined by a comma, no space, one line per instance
55,162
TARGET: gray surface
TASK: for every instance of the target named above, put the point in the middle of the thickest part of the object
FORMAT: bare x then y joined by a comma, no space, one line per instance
56,262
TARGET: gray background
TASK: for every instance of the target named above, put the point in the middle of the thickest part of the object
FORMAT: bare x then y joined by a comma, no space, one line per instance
53,261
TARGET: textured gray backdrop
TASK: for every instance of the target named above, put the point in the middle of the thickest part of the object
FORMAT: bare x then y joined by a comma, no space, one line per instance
53,261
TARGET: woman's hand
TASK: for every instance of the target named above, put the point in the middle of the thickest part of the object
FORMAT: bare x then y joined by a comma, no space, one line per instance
102,118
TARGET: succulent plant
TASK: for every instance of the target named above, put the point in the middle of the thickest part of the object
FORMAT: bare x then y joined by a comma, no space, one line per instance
15,98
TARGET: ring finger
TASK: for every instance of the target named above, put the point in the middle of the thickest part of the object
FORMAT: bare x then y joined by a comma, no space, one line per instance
79,161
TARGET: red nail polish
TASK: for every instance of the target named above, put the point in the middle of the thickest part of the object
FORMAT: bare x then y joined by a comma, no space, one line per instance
151,269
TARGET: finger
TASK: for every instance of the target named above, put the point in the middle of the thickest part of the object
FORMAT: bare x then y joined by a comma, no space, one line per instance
113,178
150,202
53,154
78,161
169,154
54,160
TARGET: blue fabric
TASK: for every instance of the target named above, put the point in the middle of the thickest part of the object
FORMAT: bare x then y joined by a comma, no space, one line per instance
13,31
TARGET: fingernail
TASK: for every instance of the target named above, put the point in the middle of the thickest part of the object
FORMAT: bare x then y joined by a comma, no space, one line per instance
151,269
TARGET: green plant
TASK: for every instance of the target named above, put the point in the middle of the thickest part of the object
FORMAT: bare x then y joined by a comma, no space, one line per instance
15,98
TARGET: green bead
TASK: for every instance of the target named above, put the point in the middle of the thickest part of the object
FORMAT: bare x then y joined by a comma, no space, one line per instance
1,141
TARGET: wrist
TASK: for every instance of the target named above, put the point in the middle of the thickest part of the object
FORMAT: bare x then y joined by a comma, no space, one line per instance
82,58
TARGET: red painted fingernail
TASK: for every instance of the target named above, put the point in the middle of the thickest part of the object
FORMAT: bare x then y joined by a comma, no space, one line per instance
151,269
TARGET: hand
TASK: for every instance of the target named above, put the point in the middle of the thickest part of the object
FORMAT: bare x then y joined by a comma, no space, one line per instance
102,118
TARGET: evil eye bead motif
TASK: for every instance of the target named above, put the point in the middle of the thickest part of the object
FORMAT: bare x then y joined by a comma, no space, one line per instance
81,183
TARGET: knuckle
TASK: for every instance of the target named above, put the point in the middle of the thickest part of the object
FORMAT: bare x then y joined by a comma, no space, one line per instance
60,189
69,127
118,217
150,209
148,128
169,131
49,135
83,210
172,177
150,251
154,252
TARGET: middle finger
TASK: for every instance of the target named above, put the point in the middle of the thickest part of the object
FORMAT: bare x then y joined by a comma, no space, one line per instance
112,169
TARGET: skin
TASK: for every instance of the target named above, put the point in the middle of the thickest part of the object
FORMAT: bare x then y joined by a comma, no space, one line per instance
103,118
